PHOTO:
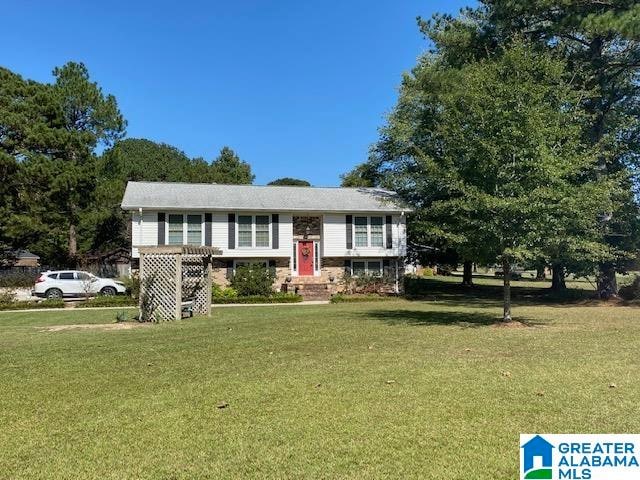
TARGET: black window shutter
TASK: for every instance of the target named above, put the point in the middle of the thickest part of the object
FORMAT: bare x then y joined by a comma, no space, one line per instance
349,225
207,230
389,231
275,231
161,220
232,231
229,269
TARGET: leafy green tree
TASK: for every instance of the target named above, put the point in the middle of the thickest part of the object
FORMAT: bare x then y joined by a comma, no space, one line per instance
290,181
90,118
227,168
600,40
491,156
364,175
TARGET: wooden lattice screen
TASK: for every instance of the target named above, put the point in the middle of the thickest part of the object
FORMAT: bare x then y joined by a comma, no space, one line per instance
171,275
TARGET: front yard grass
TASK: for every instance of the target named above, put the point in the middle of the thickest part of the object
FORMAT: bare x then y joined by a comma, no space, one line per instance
398,389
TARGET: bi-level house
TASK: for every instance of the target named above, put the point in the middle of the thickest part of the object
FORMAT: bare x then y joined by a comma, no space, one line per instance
308,235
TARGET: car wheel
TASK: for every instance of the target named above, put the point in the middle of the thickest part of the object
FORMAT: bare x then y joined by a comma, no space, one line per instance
53,293
108,291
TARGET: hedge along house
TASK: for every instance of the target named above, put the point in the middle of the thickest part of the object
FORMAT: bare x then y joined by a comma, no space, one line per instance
310,236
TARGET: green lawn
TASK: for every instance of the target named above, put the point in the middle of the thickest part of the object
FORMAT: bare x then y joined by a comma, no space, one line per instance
401,389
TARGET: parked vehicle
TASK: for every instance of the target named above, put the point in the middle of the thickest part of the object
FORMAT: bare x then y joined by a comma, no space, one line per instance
516,272
74,283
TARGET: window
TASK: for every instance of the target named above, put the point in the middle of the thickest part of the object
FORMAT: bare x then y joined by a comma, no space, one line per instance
377,239
175,229
84,276
244,231
361,239
254,231
262,230
194,230
65,276
246,263
53,276
316,256
366,267
374,267
295,256
358,268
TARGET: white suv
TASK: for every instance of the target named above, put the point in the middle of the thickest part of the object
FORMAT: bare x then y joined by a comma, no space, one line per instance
73,283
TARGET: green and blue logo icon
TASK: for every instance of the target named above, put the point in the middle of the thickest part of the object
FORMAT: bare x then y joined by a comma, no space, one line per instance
536,459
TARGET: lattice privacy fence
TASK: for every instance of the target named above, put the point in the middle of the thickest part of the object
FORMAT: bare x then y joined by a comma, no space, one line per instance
171,278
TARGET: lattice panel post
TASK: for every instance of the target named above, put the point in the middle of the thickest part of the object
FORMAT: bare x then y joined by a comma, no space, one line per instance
161,285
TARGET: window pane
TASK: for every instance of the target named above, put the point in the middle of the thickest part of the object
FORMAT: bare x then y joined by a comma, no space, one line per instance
262,230
377,240
66,276
374,267
175,230
358,268
316,257
194,230
295,256
361,231
244,231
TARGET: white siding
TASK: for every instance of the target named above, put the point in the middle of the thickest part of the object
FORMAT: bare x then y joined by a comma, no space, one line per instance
143,233
335,232
333,242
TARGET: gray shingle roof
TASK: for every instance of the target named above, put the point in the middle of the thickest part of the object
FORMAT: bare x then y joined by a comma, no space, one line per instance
162,195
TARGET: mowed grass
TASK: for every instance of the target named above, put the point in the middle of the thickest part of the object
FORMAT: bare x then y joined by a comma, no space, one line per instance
401,389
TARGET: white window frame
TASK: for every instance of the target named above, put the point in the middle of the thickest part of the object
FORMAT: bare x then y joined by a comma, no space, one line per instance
369,242
370,230
366,231
185,226
253,230
366,261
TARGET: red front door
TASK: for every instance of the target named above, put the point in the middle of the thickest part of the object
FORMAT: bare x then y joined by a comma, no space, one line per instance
305,258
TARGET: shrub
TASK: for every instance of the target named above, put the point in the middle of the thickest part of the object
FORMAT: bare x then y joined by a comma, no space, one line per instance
342,298
18,280
7,297
631,291
279,297
57,303
227,292
427,272
132,284
110,301
252,279
367,283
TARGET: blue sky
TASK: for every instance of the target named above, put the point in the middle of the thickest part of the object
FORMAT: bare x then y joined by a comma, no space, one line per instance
297,88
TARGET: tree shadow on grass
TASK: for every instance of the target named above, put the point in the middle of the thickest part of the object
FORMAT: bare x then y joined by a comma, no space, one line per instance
424,318
491,295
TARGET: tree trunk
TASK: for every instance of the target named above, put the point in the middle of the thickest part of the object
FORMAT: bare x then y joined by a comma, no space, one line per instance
73,244
467,274
541,272
607,282
557,280
506,270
